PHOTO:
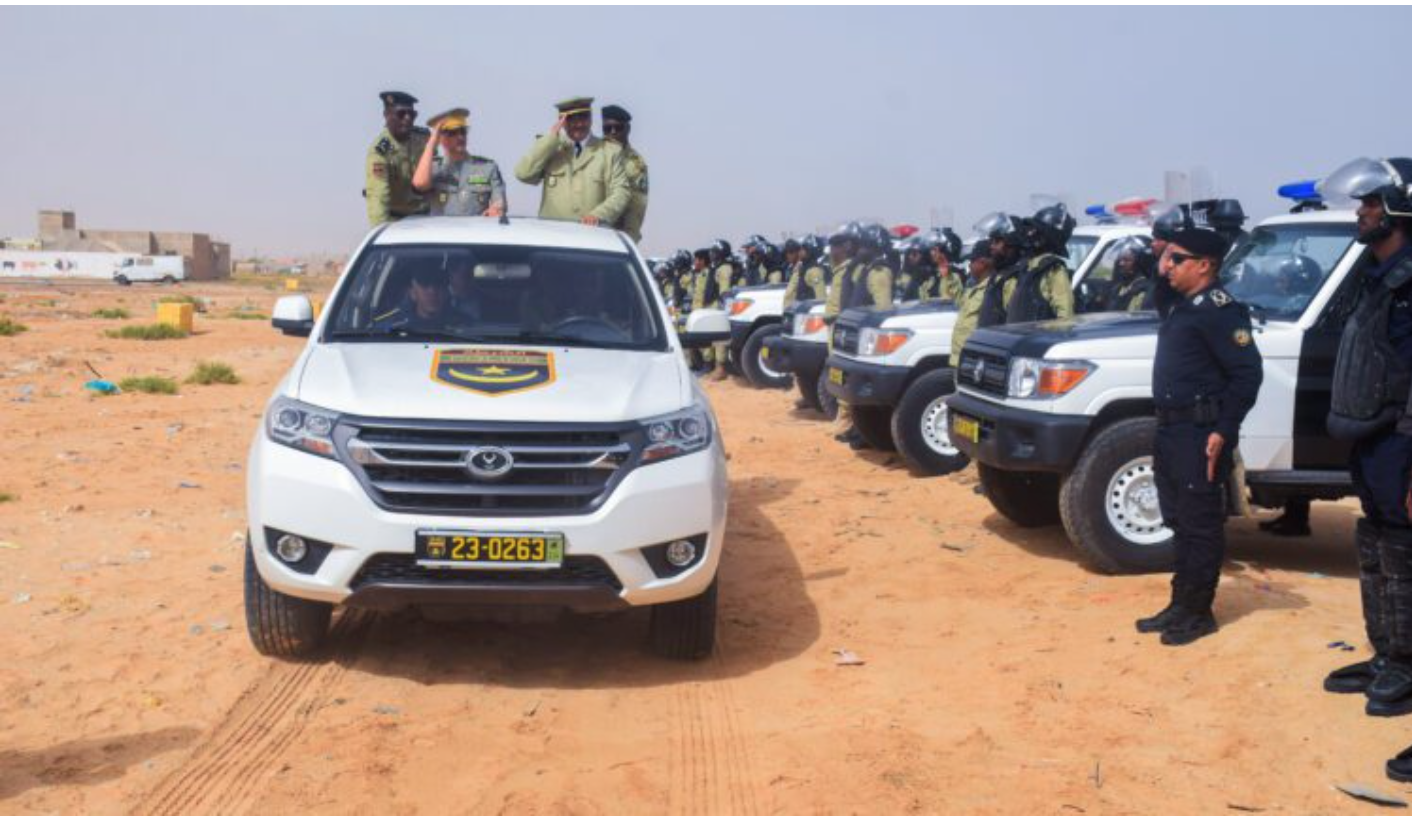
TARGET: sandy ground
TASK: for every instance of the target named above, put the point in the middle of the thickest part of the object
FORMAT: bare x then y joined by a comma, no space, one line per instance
1000,675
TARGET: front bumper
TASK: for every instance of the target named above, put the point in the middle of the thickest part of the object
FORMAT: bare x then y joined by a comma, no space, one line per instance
740,333
319,498
802,357
1019,440
867,384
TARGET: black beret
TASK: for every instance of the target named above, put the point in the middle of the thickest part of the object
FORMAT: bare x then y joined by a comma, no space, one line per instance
390,99
1202,242
616,112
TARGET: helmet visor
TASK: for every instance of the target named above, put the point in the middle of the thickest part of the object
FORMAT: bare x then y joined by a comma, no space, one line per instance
1356,180
995,224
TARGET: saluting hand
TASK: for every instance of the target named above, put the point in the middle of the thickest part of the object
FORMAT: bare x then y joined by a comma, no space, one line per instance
1214,444
558,124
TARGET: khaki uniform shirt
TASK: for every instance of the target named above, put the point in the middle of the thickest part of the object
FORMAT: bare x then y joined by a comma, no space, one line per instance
813,276
594,183
388,177
636,211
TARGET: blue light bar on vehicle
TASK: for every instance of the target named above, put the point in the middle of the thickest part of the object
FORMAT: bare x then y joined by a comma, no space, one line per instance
1097,210
1301,191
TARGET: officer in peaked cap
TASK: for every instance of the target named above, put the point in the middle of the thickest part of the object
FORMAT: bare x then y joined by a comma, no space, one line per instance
1205,378
582,178
617,128
456,181
392,159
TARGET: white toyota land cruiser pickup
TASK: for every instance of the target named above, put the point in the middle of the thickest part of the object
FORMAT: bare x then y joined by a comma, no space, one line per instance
490,412
1059,415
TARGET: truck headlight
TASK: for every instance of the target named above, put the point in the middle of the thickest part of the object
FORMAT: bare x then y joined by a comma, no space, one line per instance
677,434
739,305
807,325
1036,378
874,342
301,426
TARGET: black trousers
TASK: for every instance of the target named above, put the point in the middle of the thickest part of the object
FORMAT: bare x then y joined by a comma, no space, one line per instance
1193,507
1380,466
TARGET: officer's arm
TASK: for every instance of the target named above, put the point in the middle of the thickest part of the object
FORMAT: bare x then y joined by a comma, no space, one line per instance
378,193
1164,297
530,169
1061,292
1232,341
422,177
497,189
619,190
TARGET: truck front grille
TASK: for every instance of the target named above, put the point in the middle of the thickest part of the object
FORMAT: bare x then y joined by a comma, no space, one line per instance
401,569
845,339
983,372
417,467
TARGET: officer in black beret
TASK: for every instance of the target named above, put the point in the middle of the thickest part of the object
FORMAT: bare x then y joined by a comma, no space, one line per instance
1204,380
392,159
617,127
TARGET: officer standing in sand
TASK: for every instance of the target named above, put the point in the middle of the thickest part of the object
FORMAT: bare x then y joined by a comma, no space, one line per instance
1205,378
392,160
1369,406
583,178
617,126
458,182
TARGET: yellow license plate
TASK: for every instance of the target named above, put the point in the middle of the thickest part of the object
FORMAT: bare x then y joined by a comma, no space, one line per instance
968,428
450,548
836,375
764,353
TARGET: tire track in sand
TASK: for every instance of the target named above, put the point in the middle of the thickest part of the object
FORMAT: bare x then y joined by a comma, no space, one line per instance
711,769
246,745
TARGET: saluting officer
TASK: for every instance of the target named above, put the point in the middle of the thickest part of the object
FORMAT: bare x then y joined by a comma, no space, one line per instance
458,182
943,246
1371,383
391,161
617,126
1205,378
584,178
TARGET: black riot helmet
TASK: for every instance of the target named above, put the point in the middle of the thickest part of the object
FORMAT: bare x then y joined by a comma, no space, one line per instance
995,226
1389,180
1132,256
813,246
947,241
848,233
720,250
874,237
1174,220
1226,217
682,260
1292,274
1053,226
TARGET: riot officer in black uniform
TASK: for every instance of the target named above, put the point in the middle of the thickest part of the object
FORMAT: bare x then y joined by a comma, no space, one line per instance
1134,276
1043,284
1372,378
1204,380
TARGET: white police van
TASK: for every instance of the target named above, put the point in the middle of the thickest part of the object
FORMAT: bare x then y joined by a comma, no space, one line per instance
166,269
894,367
1059,415
490,412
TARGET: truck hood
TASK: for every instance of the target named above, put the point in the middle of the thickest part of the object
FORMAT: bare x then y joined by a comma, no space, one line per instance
875,318
587,386
1034,340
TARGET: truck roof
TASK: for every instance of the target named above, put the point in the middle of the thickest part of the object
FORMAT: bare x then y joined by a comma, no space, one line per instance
518,231
1100,230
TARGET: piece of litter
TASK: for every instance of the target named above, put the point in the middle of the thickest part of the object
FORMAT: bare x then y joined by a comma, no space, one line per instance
140,555
955,547
196,629
103,387
1365,793
219,626
386,709
73,604
216,568
529,713
21,598
9,545
1243,808
174,428
188,485
847,658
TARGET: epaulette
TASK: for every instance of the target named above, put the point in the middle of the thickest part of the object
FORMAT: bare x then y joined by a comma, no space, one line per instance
1220,298
383,147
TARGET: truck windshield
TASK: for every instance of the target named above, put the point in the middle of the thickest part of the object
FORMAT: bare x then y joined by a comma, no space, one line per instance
492,293
1279,268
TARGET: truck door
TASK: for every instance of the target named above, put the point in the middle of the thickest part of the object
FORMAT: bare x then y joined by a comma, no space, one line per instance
1313,447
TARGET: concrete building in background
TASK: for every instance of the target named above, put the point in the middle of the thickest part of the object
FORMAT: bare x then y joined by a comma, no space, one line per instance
206,259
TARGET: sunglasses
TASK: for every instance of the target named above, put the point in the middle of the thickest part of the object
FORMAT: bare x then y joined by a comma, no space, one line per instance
614,128
454,133
404,114
1178,258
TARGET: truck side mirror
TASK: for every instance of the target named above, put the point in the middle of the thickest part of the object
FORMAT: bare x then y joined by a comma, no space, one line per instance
293,315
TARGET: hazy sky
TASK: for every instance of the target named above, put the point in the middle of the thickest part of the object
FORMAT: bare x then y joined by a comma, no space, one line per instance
253,124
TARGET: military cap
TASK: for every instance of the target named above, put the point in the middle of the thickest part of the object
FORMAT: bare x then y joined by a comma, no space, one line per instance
390,99
616,112
1202,242
450,119
575,105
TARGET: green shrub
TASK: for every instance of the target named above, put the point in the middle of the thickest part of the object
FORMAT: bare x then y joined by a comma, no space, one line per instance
112,314
10,328
149,384
209,372
197,304
6,497
244,315
152,331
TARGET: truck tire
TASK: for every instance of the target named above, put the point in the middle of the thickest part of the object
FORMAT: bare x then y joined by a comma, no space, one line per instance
122,280
282,625
919,426
1109,501
874,423
685,630
1030,499
753,364
828,404
168,279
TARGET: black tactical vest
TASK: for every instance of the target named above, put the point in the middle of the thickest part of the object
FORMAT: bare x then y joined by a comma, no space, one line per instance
1028,303
855,288
712,293
804,290
1371,382
992,311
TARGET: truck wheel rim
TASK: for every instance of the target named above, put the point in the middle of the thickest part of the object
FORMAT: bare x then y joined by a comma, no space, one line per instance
765,367
934,428
1131,504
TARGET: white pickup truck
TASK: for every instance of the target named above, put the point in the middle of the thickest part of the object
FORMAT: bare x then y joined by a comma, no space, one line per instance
490,412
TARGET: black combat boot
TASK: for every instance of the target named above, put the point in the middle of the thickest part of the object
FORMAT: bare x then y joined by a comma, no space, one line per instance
1195,619
1399,767
1159,622
1390,693
1292,523
1355,678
